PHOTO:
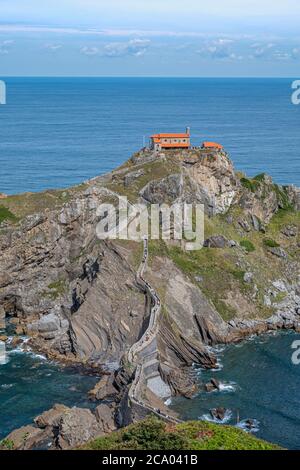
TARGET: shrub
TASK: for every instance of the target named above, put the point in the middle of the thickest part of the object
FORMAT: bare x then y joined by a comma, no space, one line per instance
260,177
251,185
271,243
152,434
249,247
5,214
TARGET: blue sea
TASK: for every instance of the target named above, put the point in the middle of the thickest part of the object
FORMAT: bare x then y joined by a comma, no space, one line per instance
57,132
259,382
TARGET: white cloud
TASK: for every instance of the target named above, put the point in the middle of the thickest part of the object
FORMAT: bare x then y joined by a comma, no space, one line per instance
5,46
53,47
220,48
262,50
89,51
134,47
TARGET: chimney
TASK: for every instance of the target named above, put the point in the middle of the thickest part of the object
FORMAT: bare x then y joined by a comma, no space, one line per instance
188,130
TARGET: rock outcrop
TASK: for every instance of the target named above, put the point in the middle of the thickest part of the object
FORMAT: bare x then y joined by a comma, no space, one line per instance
62,428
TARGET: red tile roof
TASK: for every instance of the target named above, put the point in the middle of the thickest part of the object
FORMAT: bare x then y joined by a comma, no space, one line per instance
212,145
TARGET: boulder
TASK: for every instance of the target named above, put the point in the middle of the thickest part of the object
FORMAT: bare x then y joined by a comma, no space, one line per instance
51,417
218,413
216,241
77,426
289,231
48,323
105,417
212,385
24,438
103,389
16,340
133,175
163,191
279,252
248,277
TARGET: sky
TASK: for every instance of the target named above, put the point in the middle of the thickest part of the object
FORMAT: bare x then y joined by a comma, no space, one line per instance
150,38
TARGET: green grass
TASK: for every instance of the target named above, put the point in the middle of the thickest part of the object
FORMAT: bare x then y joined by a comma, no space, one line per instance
271,243
248,245
250,184
56,289
6,214
154,434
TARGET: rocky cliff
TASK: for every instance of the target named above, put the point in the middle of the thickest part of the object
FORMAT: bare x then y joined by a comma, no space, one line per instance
78,299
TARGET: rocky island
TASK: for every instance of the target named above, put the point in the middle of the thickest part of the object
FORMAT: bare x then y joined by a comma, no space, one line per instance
146,312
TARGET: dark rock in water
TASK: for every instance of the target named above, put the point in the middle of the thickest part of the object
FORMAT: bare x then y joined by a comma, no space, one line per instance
218,413
216,241
16,341
212,385
250,424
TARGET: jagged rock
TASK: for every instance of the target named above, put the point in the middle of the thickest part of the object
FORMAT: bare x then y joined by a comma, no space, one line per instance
180,381
105,417
213,183
104,388
32,221
212,385
278,251
163,191
216,241
3,196
25,438
129,178
76,427
51,417
3,338
245,225
248,277
289,231
218,413
46,324
280,285
255,222
16,340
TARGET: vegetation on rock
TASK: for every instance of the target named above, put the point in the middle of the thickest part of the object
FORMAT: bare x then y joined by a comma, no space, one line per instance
154,434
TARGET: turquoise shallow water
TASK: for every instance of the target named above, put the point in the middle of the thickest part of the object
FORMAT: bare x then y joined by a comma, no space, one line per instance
58,132
258,381
29,385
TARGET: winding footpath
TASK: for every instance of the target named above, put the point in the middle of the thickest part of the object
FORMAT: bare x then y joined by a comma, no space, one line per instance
143,354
